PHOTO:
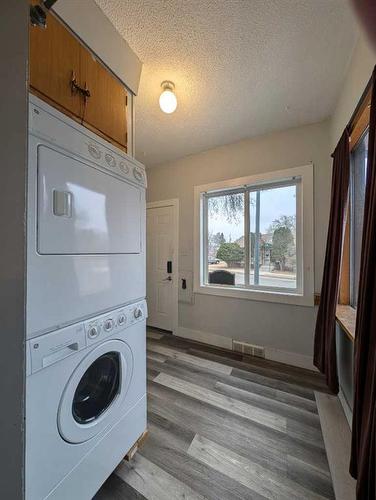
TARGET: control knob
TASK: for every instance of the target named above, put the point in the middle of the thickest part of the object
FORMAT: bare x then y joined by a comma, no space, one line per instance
123,167
137,313
138,175
108,325
121,319
94,151
93,332
110,160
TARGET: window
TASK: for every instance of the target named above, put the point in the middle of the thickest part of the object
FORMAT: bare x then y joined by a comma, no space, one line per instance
350,262
358,188
251,237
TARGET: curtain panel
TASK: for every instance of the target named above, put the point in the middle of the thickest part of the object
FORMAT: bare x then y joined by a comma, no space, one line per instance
363,452
325,356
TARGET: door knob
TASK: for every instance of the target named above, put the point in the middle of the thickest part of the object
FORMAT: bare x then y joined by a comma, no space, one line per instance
168,278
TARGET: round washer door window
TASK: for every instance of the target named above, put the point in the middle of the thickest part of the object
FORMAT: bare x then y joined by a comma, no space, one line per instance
98,388
95,392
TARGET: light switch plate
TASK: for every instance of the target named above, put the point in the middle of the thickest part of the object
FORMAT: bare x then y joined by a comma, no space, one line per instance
186,295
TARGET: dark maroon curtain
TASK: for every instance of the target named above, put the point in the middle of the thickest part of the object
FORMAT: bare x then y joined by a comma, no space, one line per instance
363,452
325,357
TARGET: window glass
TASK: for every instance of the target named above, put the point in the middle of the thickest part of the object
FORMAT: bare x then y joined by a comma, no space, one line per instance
273,237
225,239
251,236
358,187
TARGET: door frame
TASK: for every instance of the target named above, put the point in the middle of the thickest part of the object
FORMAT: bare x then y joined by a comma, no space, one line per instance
174,203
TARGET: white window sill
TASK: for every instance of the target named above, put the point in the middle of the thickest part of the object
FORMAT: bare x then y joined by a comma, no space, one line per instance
282,297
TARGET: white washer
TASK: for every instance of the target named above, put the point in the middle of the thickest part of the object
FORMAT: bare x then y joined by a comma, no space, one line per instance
86,223
85,402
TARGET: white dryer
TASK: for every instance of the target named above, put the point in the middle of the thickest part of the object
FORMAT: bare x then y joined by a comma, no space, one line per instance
86,223
85,402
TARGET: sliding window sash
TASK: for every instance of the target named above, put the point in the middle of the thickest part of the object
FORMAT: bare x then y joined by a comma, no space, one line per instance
247,247
247,190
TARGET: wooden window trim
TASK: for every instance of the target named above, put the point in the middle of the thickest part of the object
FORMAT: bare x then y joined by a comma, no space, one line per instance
360,120
344,280
345,314
346,317
357,127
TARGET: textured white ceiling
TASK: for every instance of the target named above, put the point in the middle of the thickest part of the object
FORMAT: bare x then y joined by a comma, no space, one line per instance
241,67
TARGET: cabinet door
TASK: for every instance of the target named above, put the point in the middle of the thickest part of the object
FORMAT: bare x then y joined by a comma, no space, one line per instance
54,54
106,108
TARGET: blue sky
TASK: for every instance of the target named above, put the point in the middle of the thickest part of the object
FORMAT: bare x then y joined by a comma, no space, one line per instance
273,204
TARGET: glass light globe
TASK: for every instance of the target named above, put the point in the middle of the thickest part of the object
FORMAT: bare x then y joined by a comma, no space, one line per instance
167,101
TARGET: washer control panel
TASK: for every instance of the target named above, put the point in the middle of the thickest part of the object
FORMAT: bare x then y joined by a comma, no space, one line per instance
105,325
54,347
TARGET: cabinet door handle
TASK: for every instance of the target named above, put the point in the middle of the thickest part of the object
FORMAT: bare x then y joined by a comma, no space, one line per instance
75,87
73,83
85,92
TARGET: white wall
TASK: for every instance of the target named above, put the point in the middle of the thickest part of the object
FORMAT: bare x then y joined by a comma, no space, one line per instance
14,23
283,327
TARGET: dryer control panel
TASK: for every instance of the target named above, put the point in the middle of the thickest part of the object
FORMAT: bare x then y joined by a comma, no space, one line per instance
51,125
105,325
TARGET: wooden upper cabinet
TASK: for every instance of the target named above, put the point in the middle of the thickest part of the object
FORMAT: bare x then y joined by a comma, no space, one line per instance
106,108
54,54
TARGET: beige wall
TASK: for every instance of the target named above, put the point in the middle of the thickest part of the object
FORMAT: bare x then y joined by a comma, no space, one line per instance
284,327
359,72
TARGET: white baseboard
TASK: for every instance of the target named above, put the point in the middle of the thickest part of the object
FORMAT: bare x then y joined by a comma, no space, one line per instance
337,439
205,338
346,408
289,358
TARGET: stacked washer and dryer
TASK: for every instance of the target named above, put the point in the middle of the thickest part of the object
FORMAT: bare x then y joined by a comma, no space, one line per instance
86,309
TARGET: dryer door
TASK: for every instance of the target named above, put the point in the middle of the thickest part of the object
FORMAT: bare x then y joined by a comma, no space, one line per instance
94,395
82,210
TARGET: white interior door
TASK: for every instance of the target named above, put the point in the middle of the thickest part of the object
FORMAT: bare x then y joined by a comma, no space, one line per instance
161,272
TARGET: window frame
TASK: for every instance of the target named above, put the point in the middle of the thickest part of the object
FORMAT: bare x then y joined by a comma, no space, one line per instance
304,293
359,124
351,216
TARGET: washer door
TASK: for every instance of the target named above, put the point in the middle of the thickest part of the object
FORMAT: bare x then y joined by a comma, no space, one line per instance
95,392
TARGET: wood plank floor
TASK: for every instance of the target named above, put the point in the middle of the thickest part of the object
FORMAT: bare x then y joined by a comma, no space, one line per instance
223,427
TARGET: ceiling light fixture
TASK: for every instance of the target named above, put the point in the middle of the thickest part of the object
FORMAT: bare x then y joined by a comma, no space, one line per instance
167,100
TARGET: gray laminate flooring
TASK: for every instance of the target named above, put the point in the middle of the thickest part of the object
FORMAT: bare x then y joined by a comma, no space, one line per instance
225,427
